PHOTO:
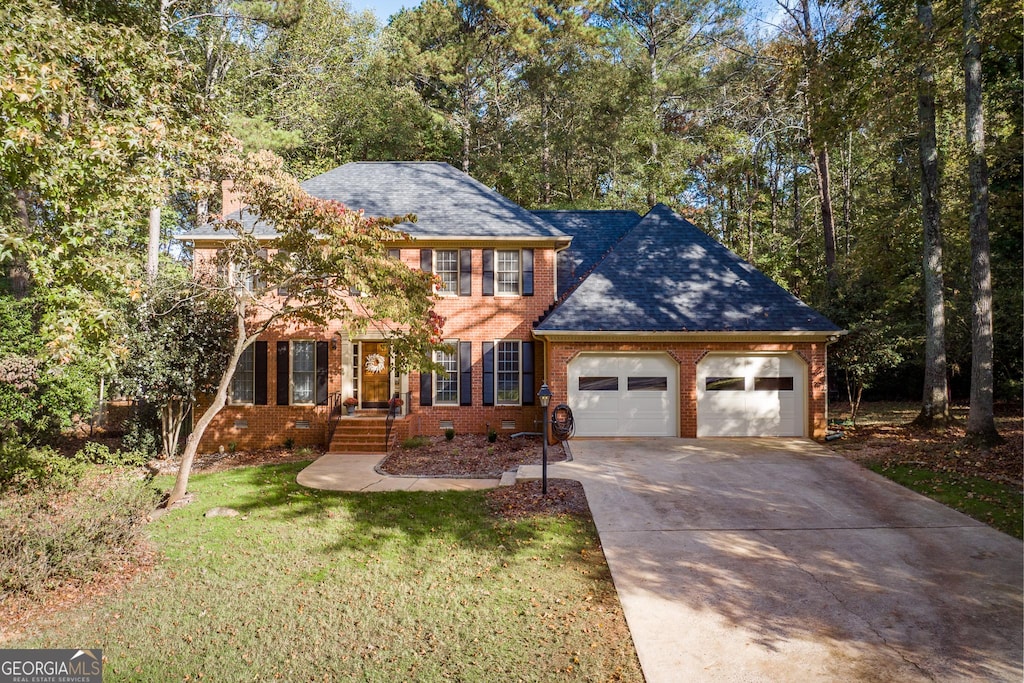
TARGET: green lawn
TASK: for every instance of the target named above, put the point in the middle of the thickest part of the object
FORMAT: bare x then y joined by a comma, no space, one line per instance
998,505
319,586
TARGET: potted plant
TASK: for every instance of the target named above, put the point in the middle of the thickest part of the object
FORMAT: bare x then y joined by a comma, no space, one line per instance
350,404
395,404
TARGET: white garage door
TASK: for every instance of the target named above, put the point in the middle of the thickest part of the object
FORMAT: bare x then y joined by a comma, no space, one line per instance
751,395
624,394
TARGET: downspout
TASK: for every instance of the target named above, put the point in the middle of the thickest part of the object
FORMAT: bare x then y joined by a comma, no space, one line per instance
830,339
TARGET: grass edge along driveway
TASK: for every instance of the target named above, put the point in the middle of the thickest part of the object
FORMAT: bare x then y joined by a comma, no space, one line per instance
312,585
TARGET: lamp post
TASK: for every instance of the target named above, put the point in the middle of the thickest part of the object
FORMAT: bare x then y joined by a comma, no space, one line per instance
545,399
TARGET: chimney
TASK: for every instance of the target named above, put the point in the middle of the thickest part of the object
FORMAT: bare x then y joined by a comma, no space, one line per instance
231,200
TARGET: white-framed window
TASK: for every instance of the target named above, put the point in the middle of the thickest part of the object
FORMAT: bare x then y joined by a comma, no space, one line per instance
446,267
303,364
243,382
508,373
446,384
507,273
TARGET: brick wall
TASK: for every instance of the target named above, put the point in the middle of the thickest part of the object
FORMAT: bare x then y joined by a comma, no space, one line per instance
688,355
475,319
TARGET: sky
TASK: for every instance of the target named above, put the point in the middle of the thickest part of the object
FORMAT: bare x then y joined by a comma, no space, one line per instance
382,8
385,8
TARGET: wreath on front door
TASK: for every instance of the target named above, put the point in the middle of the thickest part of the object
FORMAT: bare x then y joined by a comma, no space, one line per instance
375,363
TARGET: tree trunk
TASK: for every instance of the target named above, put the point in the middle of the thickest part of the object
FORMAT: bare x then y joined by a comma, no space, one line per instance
828,223
935,402
153,243
19,272
653,161
848,195
545,152
220,399
466,129
172,419
981,418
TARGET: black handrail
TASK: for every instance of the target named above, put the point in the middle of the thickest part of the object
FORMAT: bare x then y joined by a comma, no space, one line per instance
394,407
334,400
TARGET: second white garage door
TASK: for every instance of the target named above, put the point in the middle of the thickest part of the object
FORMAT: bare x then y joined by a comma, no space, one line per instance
756,395
624,394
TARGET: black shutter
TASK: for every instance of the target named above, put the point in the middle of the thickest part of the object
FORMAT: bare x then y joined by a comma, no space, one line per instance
465,373
427,260
528,374
488,373
395,254
321,373
282,373
465,272
426,389
527,272
260,366
488,284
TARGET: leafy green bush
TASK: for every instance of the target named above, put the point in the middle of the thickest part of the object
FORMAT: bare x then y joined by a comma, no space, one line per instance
492,435
100,454
38,398
26,468
44,540
449,434
415,442
142,431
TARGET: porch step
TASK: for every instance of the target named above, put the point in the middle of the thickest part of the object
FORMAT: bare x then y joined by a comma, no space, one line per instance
360,435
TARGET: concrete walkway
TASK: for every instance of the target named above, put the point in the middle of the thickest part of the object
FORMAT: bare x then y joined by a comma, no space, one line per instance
777,560
334,472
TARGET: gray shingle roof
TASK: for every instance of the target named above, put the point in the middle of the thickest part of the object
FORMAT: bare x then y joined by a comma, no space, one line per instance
666,275
447,202
594,233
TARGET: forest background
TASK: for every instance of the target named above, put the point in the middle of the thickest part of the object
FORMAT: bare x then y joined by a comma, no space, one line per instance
791,132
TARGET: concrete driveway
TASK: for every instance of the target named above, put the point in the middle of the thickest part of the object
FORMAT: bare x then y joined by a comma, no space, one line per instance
777,560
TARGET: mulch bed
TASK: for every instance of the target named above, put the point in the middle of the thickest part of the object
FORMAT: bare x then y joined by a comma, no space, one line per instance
218,462
468,455
524,499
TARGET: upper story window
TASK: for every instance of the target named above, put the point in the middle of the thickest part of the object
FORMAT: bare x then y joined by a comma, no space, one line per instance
243,382
453,268
446,267
507,271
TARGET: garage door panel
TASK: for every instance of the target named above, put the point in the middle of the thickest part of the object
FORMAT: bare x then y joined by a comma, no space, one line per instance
767,402
624,394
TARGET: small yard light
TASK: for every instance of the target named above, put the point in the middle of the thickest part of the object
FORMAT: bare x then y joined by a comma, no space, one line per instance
545,400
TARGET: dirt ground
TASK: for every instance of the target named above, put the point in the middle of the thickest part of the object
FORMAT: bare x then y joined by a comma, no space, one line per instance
884,435
469,455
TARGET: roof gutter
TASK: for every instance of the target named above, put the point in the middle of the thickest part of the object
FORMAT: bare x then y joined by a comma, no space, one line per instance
827,336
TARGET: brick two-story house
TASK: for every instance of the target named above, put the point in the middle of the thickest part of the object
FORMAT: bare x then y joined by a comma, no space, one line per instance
642,325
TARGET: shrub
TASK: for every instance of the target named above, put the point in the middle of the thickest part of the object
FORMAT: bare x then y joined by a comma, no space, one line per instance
25,468
492,435
100,454
44,540
415,442
289,443
449,434
142,431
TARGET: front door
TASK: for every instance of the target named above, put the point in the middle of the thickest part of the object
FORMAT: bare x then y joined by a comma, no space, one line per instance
375,375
